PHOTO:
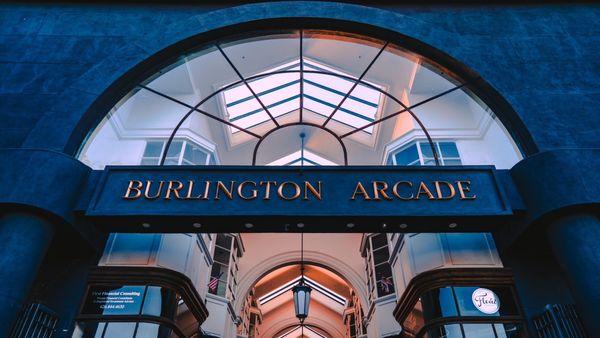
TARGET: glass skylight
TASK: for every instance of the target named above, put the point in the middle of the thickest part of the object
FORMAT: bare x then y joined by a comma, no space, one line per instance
296,159
280,93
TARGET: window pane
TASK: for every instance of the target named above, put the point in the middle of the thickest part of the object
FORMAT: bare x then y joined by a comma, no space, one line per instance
479,331
150,161
148,330
426,149
224,241
153,149
219,271
446,331
380,256
119,330
407,156
379,240
194,154
385,283
160,302
438,303
452,162
449,149
510,330
174,149
221,256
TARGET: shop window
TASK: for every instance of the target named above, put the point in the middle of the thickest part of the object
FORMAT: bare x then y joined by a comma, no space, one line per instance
379,272
420,153
223,276
181,152
130,311
460,311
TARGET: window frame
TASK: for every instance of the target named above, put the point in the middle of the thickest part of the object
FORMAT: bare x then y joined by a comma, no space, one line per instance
210,154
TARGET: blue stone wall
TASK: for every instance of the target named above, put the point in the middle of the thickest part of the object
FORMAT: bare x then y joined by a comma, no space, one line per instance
56,60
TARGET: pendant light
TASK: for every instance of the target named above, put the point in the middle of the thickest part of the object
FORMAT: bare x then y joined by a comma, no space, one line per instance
301,290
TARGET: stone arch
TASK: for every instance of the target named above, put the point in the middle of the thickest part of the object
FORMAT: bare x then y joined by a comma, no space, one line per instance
114,82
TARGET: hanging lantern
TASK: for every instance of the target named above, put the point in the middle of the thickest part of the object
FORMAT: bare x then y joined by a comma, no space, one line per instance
301,291
301,300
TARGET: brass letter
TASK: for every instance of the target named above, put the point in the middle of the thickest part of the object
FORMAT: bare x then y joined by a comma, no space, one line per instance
130,188
438,189
462,189
267,189
190,191
241,187
222,187
315,192
395,190
296,193
147,190
377,190
360,190
206,190
174,190
424,190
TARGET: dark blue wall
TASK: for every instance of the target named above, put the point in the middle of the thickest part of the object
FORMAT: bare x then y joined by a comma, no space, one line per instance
56,60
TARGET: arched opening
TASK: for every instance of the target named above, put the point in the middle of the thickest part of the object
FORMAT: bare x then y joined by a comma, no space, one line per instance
217,103
304,96
268,307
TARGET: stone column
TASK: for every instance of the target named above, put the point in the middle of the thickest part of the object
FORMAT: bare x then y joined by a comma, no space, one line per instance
24,240
575,241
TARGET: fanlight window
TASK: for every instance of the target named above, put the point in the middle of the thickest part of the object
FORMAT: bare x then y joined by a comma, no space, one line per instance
244,101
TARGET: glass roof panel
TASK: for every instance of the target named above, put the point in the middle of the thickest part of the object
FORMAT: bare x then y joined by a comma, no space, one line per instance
296,159
280,93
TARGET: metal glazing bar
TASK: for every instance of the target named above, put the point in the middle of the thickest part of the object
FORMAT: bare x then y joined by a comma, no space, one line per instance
402,111
247,85
301,74
356,83
192,109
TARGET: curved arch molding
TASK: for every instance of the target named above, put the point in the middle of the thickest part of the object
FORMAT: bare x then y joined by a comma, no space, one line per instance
93,93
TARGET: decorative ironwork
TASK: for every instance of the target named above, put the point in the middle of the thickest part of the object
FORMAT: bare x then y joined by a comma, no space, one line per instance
560,321
278,126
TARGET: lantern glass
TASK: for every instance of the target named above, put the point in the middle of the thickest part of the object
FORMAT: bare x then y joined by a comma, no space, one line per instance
301,300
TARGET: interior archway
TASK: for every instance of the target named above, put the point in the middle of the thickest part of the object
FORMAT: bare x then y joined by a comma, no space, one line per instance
331,298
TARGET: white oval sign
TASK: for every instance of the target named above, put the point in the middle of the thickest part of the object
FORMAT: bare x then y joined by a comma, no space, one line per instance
486,301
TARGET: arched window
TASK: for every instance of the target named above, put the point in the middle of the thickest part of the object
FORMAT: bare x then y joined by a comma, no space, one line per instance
247,99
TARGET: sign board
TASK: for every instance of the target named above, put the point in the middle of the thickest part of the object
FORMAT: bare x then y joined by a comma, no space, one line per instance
113,300
485,301
323,199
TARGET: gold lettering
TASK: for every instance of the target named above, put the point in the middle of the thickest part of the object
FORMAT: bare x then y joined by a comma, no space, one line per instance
147,190
282,187
227,192
377,190
463,189
190,191
267,188
438,189
130,188
206,190
174,190
241,187
315,192
424,190
360,190
397,194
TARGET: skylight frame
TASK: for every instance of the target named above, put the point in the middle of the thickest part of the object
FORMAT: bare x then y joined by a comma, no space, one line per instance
369,99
